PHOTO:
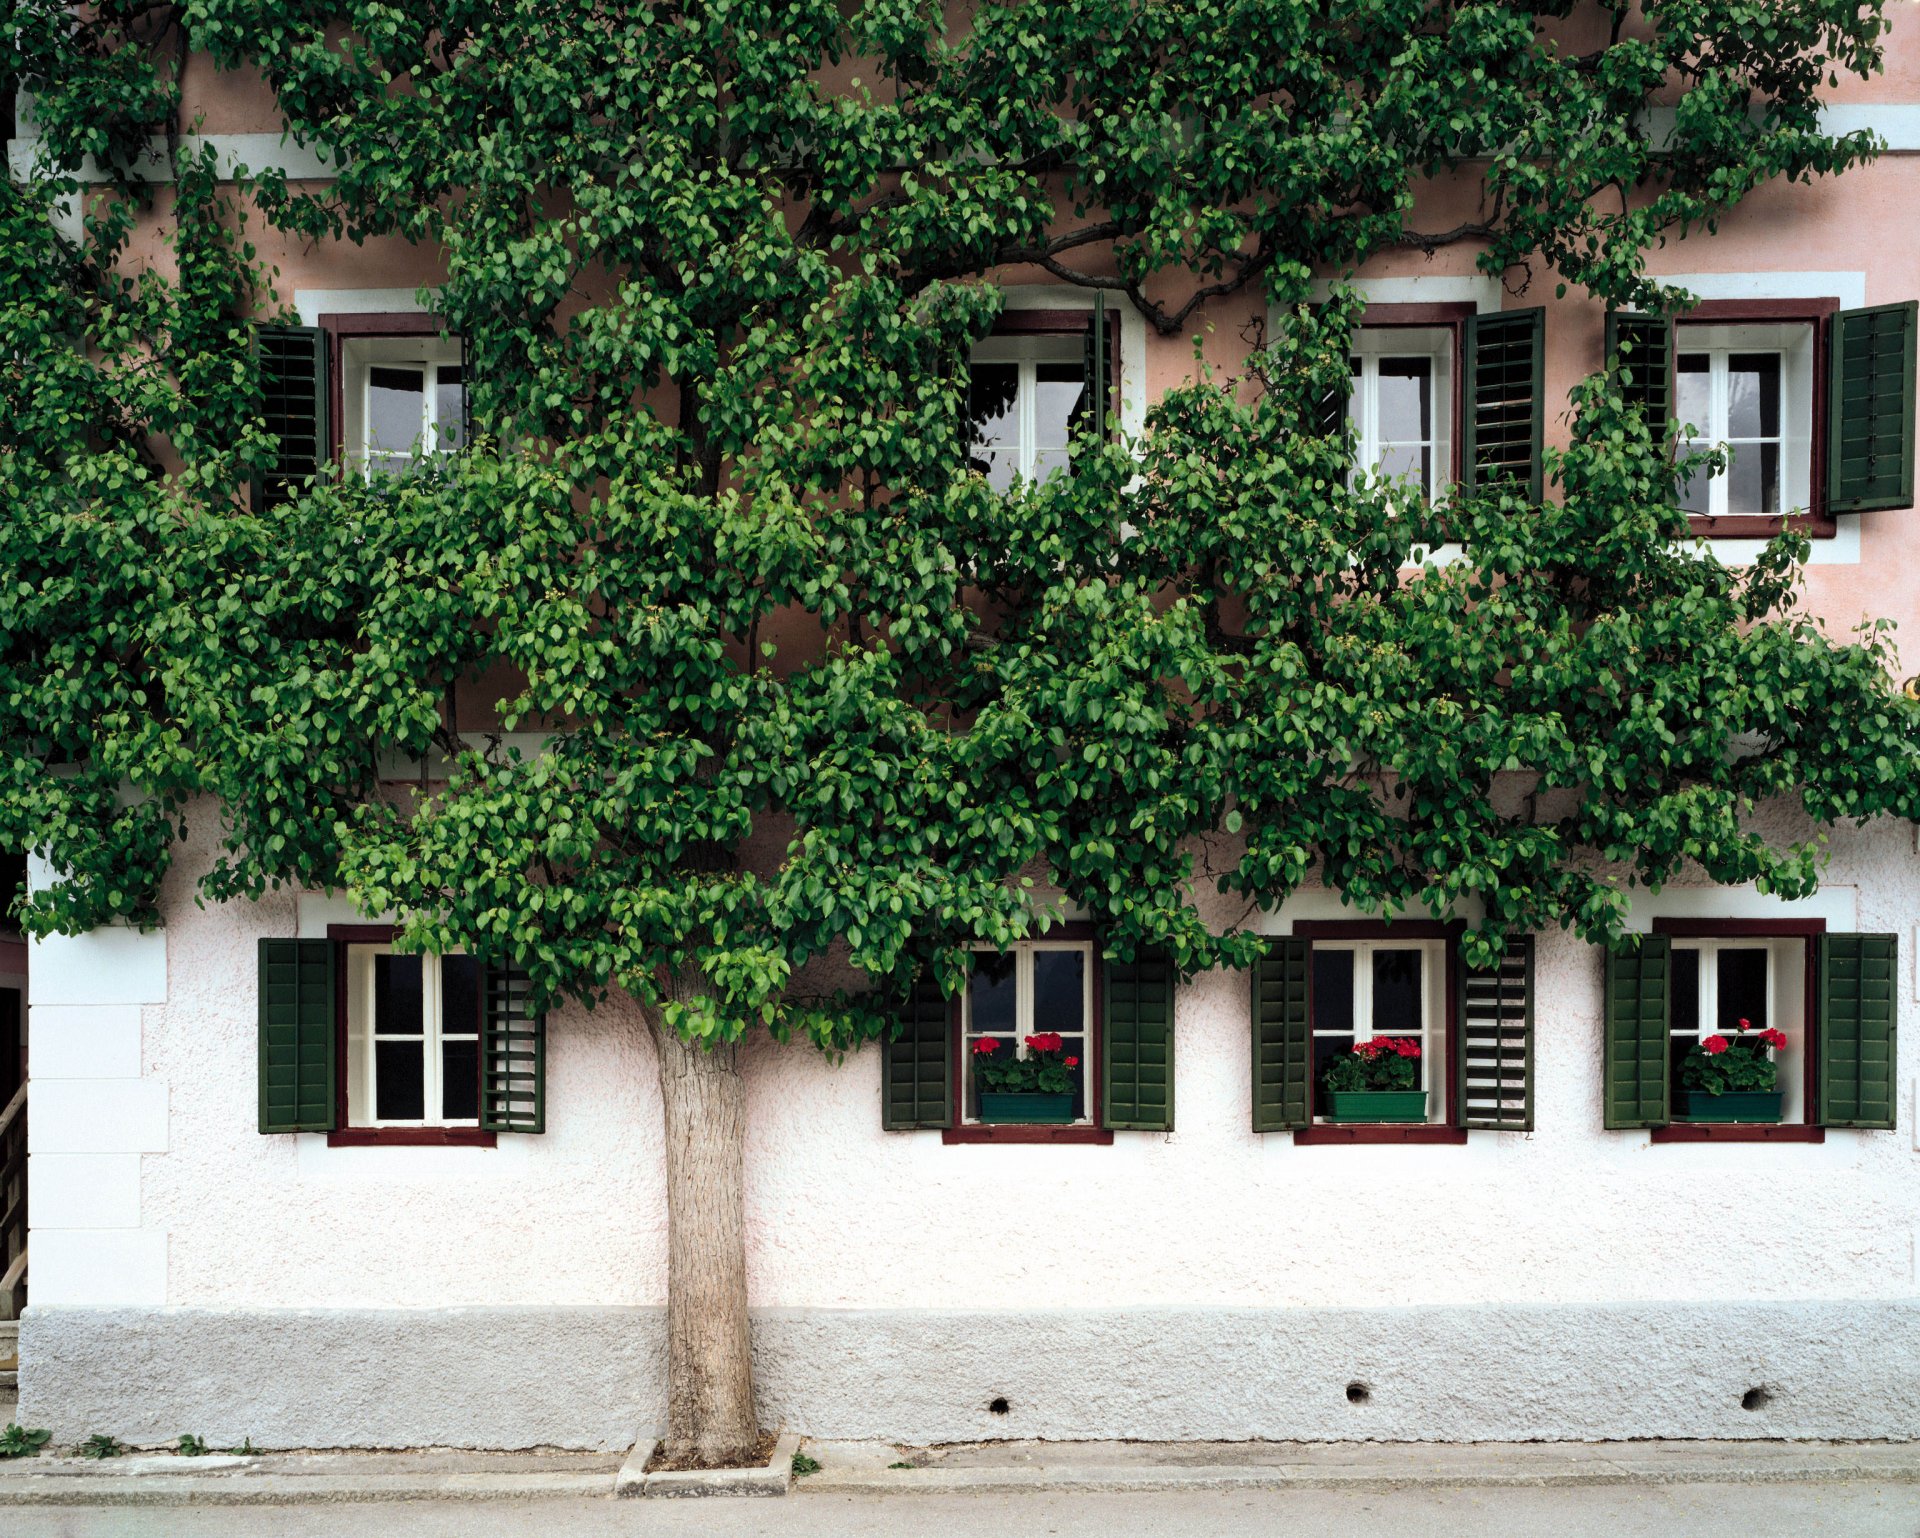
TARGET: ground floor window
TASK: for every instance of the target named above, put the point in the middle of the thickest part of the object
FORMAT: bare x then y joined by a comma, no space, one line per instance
1017,1003
1391,990
412,1038
1740,993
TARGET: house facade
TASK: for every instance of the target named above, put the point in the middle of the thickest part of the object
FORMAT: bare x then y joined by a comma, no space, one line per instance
286,1185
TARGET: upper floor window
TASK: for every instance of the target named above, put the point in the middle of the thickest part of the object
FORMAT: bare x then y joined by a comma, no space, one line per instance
403,397
1749,388
1400,403
1030,392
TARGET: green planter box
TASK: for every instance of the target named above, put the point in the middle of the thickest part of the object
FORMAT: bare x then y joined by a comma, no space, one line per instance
1025,1109
1735,1105
1396,1105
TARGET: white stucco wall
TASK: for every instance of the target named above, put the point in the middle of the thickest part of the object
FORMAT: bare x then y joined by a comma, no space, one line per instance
843,1214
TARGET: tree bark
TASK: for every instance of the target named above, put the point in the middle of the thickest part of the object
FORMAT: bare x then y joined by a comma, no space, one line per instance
710,1415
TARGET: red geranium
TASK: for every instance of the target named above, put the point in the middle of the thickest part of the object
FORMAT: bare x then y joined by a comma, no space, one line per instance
986,1046
1045,1041
1773,1038
1073,1062
1713,1046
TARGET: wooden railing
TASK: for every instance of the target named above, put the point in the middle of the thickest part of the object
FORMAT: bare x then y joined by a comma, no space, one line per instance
13,1206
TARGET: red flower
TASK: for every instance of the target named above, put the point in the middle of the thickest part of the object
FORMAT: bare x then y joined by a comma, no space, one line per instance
1406,1046
1073,1062
1713,1046
1045,1041
1745,1023
986,1046
1773,1038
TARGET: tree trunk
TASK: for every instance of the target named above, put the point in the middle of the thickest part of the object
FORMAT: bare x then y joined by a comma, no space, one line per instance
710,1416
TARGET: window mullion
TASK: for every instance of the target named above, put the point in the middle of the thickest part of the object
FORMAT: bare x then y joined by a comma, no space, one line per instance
433,1105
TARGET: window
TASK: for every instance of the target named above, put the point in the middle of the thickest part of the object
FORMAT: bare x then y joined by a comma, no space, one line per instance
402,398
1390,987
1749,387
412,1038
1400,403
1036,987
1028,395
1717,984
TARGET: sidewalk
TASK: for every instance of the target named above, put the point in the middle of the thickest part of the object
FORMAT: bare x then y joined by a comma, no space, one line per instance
996,1468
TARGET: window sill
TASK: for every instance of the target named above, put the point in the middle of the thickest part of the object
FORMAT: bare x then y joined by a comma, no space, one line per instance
1328,1135
1758,526
978,1133
1736,1132
412,1137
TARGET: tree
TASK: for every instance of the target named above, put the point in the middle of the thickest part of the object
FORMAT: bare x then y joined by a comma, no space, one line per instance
820,702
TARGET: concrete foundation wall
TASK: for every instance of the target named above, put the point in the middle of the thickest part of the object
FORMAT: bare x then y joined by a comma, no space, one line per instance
593,1377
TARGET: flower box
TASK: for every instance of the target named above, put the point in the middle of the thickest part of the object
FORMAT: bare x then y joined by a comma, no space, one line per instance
1376,1105
1025,1109
1757,1105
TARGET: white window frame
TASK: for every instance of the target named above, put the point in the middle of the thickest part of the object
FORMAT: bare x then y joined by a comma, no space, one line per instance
1432,344
362,1065
1024,1026
1432,1033
1787,960
359,357
1793,343
1027,351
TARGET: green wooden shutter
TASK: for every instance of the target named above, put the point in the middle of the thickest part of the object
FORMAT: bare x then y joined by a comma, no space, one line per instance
296,1036
1636,1033
1857,1021
293,389
916,1072
1504,411
1282,1036
1136,1060
513,1055
1643,346
1096,368
1870,408
1494,1087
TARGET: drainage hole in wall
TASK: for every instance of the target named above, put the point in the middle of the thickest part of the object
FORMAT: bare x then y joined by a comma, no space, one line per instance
1755,1399
998,1406
1358,1392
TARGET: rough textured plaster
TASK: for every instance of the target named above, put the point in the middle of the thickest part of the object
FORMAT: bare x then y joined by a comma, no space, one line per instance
591,1378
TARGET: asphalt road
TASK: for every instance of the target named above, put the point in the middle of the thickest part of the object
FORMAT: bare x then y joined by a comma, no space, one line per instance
1842,1510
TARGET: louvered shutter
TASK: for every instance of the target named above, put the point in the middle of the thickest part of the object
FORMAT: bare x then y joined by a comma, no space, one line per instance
1097,367
1870,408
1643,346
513,1055
1136,1060
1504,398
293,390
916,1083
1636,1033
1495,1084
296,1035
1282,1036
1857,1030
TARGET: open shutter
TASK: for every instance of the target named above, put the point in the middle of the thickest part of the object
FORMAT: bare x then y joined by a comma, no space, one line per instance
916,1083
296,1035
1870,408
1857,1011
513,1056
1504,398
1643,346
1282,1036
293,390
1495,1084
1636,1033
1097,368
1136,1059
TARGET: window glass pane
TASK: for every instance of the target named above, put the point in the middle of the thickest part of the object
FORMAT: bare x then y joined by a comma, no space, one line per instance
1050,462
1411,459
991,993
1683,997
460,1080
1059,991
1406,399
1353,393
1743,991
1693,384
1753,395
991,391
1333,991
1753,481
449,406
459,995
1693,491
1397,1007
396,407
400,1092
396,996
1057,391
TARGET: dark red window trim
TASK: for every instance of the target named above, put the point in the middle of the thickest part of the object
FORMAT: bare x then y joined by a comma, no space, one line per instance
1446,1131
963,1131
340,327
1816,522
1454,317
1806,930
344,1136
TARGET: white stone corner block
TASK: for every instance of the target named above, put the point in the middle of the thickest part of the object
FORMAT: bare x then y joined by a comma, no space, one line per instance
111,1116
85,1041
96,1266
109,965
83,1191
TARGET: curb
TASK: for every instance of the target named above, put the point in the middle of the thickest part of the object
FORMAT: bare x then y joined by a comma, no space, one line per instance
775,1477
289,1489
